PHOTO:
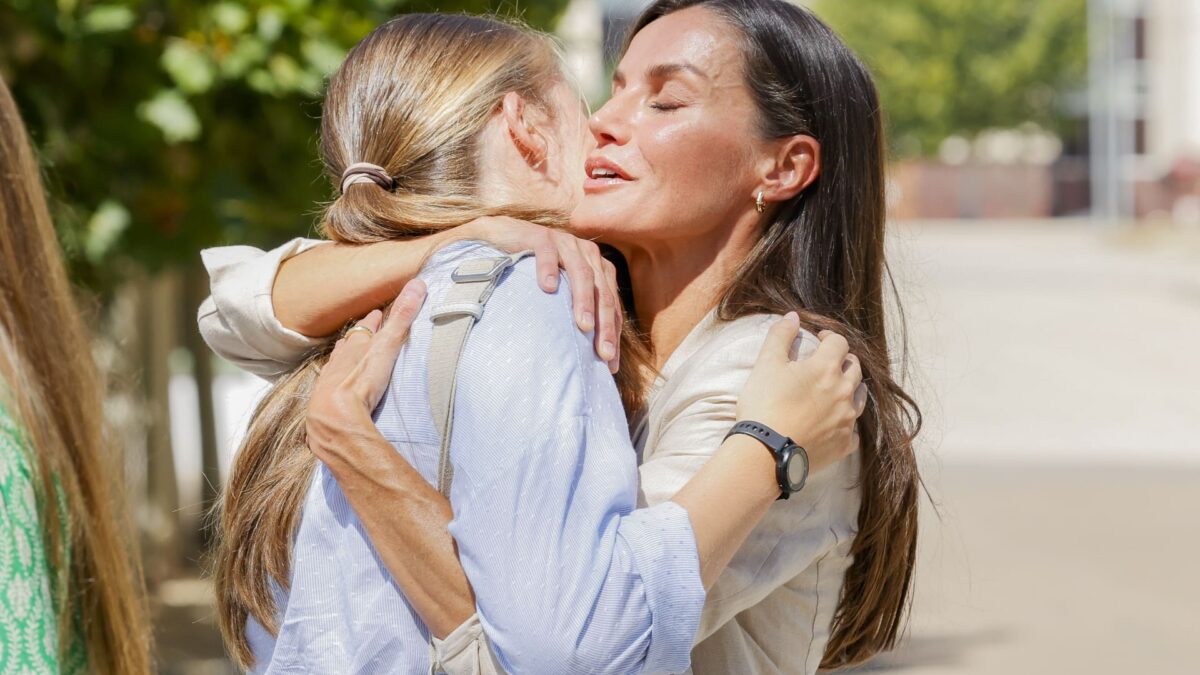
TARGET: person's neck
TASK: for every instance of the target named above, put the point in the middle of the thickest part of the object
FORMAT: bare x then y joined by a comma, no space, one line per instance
677,283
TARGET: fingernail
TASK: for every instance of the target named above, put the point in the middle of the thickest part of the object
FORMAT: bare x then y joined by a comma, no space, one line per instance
551,282
607,350
793,317
587,321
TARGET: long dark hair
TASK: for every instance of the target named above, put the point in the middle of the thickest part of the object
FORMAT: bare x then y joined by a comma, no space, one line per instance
823,253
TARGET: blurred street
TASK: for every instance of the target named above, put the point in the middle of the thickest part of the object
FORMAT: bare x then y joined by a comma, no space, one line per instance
1057,365
1055,569
1054,341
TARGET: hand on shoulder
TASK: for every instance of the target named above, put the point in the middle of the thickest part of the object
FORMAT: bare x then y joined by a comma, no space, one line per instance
815,400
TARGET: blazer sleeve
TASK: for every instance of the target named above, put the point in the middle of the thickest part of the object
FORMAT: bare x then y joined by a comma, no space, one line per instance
238,320
793,535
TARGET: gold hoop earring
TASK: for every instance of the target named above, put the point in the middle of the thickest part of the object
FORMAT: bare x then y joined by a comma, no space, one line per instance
759,204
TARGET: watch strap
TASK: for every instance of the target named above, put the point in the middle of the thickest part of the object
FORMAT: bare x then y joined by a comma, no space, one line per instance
774,440
776,443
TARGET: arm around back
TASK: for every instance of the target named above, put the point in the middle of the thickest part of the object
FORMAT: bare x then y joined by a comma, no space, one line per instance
269,309
238,320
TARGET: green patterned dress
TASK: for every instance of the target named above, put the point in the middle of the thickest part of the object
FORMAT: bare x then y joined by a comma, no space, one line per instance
28,623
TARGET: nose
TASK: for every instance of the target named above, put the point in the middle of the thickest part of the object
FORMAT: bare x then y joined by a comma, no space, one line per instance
608,125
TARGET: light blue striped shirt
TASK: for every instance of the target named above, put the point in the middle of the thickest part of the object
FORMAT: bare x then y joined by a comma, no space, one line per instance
568,577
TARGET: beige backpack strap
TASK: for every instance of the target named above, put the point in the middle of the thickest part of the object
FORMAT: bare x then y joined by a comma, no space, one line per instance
453,320
467,650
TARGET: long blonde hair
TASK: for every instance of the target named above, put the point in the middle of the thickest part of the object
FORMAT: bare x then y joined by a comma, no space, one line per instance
413,98
50,383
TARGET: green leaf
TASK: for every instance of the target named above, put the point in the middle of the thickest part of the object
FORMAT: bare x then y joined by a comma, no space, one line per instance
104,229
108,19
172,114
285,71
323,55
261,81
271,21
230,17
248,52
191,69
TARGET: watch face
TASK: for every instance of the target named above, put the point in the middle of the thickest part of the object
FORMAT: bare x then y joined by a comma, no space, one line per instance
797,470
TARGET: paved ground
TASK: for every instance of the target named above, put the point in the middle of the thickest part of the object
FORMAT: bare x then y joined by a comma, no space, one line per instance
1056,570
1058,366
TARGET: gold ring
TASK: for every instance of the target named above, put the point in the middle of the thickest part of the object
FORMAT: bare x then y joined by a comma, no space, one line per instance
356,329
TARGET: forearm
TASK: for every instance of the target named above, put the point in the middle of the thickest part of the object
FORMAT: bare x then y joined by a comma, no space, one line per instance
318,291
406,519
726,499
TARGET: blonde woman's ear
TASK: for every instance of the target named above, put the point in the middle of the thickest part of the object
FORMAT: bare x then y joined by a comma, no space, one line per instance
530,141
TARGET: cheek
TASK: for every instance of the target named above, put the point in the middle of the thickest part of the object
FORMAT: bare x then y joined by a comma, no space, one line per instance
570,169
697,163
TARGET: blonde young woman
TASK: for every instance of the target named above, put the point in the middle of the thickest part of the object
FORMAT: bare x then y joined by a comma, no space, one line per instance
567,576
71,599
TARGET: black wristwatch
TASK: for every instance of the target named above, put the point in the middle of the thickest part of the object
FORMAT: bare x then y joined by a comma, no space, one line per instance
791,460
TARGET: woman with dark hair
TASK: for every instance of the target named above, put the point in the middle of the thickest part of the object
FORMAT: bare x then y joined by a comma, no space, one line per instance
71,595
738,169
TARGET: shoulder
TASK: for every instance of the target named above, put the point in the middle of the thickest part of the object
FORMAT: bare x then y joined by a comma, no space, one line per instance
517,306
15,464
706,383
525,351
517,285
730,347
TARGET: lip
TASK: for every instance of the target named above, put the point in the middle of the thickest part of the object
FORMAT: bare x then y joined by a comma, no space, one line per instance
598,184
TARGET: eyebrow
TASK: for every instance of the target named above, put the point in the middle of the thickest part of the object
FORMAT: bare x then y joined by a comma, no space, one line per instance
663,71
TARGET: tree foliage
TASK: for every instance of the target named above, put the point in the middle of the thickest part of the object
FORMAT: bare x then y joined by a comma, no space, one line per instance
948,67
169,125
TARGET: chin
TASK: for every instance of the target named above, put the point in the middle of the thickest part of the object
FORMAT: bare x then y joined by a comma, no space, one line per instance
606,228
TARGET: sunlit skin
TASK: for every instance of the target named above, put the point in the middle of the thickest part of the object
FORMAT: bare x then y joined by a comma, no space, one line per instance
523,142
680,134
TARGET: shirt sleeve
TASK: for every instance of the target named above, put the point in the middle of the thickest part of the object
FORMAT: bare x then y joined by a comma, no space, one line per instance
238,320
791,536
568,577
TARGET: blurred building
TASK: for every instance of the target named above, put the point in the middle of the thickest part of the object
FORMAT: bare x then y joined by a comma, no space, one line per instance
1136,154
1161,59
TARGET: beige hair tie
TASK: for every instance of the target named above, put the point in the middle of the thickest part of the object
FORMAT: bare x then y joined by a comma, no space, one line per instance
365,172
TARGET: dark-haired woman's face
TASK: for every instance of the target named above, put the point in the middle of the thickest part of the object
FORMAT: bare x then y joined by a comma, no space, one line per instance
676,145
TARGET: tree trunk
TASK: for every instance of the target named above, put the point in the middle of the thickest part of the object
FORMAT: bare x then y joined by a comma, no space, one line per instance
158,311
196,290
